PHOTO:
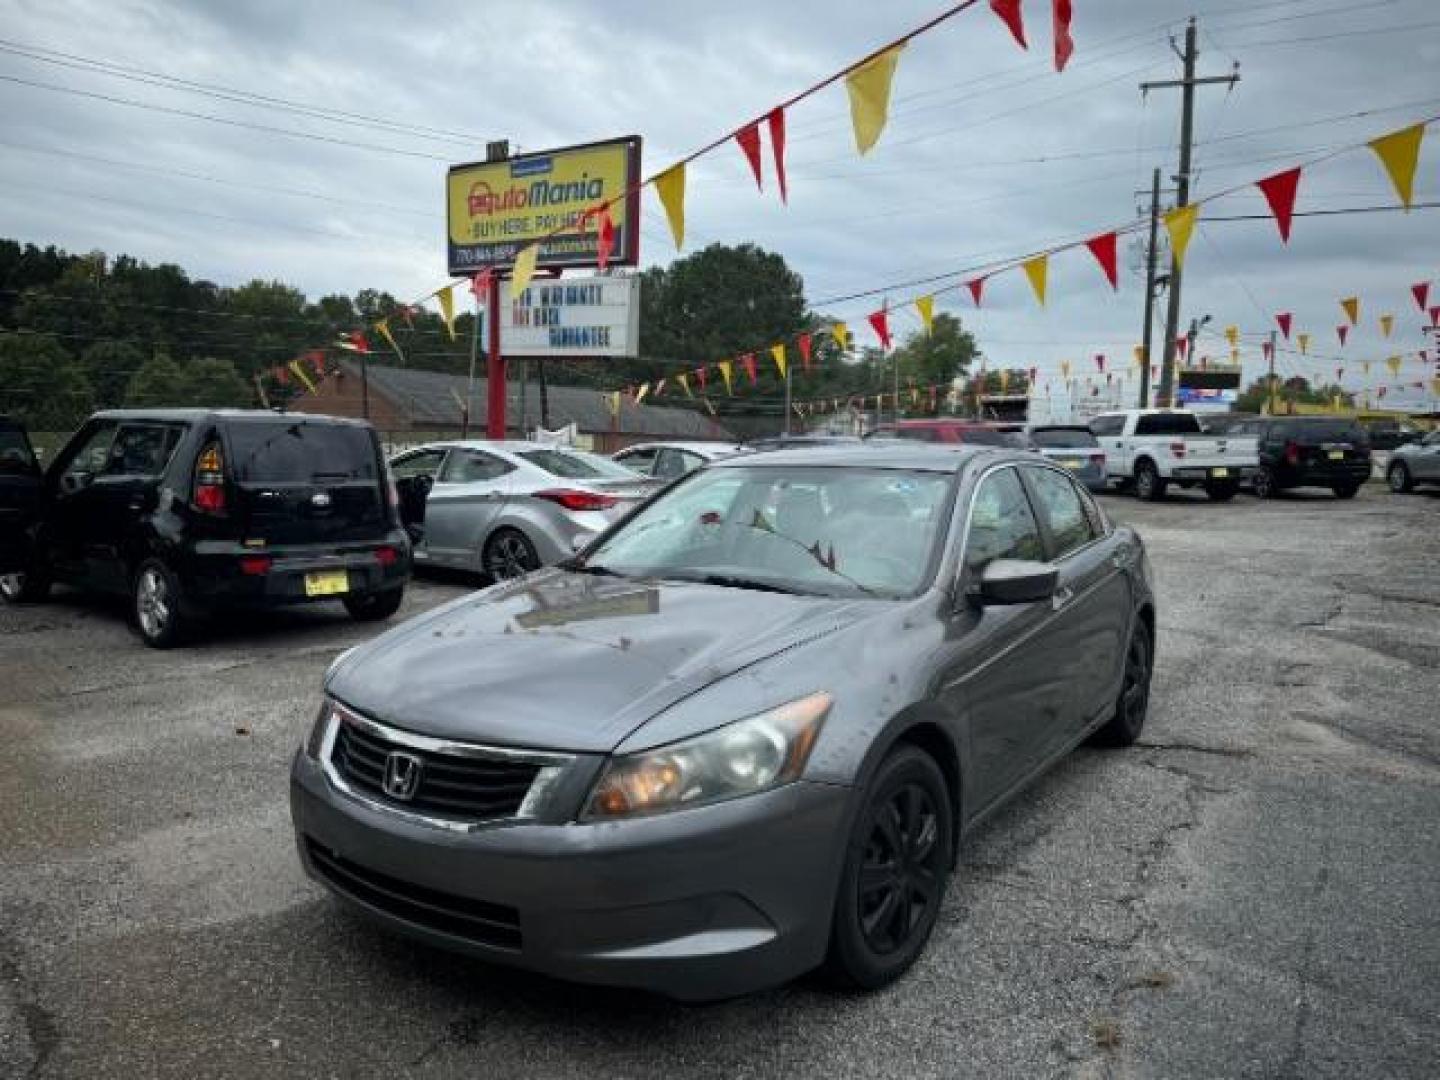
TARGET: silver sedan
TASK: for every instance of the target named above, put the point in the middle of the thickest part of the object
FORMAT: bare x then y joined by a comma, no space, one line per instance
1415,463
506,508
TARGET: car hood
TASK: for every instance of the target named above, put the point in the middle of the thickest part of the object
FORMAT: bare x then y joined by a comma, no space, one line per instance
564,661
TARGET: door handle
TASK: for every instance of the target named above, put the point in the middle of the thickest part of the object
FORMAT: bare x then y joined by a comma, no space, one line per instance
1062,597
137,503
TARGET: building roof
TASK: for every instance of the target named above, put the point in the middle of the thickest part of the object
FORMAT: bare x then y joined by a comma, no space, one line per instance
431,399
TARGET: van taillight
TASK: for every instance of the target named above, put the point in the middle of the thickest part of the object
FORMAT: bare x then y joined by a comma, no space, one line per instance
1292,452
210,479
387,556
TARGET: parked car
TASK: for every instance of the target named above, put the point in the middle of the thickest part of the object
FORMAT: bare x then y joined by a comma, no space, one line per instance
1309,451
1148,449
782,442
1072,446
669,460
189,511
506,508
1415,463
1391,434
741,734
950,430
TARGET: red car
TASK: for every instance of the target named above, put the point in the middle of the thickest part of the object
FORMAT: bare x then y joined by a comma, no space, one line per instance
948,430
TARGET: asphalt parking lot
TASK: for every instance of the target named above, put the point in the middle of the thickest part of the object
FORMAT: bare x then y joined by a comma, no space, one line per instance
1252,892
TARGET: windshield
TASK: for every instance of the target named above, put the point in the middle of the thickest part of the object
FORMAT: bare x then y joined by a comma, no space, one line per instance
1062,437
294,451
827,531
575,464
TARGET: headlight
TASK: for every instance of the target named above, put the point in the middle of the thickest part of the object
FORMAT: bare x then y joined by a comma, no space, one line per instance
739,759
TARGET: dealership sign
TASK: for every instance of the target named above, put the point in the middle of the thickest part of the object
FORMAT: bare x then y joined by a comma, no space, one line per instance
493,209
580,316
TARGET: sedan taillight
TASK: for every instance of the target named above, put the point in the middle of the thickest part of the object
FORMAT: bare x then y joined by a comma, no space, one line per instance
571,499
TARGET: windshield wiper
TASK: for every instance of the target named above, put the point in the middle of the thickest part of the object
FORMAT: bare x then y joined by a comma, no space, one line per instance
577,567
735,581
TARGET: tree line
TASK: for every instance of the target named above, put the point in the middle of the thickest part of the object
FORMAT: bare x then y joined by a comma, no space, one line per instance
80,332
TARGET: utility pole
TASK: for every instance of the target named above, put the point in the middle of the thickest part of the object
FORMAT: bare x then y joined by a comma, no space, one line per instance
786,428
544,396
1187,86
1149,291
1270,380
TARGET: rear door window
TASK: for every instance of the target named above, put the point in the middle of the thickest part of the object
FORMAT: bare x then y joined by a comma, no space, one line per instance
642,461
473,466
89,456
559,463
419,463
296,451
142,450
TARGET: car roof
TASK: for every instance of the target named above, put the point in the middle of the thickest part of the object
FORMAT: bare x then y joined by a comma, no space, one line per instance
697,445
897,454
243,415
507,445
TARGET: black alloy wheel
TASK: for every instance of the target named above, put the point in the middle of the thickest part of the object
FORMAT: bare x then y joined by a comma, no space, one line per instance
156,605
509,554
1265,484
897,865
1133,704
1149,485
1398,476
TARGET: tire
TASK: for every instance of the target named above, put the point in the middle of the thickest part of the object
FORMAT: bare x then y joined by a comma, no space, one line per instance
1345,491
1223,492
900,852
1399,478
25,587
372,607
156,601
509,554
1264,483
1149,484
1133,703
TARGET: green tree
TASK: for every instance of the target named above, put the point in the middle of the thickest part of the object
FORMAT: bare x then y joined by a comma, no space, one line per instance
41,384
215,384
158,382
1295,390
109,365
936,358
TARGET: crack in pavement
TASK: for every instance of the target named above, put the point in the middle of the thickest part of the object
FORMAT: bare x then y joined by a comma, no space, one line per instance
41,1028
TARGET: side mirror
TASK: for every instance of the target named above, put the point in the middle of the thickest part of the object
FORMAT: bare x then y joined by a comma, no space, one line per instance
1017,581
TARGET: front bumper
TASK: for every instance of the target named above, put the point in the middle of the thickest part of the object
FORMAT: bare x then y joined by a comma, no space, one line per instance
696,904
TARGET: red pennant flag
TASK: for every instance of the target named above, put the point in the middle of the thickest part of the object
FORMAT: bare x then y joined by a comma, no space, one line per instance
749,139
1279,191
1154,371
480,284
1283,321
975,288
1266,349
880,320
1182,346
1342,332
1009,12
1380,392
604,238
1100,362
282,375
358,340
804,342
747,361
1064,43
701,376
1103,248
317,360
1435,316
1421,292
1032,375
776,122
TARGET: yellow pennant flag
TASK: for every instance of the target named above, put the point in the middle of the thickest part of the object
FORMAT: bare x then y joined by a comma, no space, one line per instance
1235,356
383,328
1393,363
1351,304
869,87
613,400
1139,358
727,372
925,305
1004,380
684,381
1180,223
447,308
1387,323
670,186
1232,335
1399,152
778,352
1303,340
841,334
1435,387
1036,269
640,394
299,371
523,270
1065,369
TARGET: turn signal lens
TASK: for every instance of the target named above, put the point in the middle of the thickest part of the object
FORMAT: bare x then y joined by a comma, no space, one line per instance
742,758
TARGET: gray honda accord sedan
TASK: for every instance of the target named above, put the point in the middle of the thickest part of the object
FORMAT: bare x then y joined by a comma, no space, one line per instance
741,735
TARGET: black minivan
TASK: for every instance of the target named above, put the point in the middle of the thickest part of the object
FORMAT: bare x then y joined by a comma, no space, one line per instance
189,511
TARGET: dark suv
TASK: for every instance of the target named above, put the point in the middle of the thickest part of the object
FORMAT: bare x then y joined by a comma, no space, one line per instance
191,510
1309,451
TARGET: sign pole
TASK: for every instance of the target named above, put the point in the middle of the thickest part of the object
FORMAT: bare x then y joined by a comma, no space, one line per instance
470,385
787,399
494,367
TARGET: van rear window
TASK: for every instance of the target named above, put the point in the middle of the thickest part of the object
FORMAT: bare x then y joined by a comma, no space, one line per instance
1323,429
298,451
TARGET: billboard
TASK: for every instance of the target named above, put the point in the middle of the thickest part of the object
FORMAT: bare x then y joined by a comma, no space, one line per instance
493,209
578,316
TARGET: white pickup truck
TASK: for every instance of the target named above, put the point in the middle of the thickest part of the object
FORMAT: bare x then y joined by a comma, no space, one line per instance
1150,449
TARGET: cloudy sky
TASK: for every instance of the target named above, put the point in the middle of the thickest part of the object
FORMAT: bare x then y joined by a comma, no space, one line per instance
988,155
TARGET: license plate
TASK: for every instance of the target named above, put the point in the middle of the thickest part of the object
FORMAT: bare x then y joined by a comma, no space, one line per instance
1219,473
1337,455
1071,463
327,582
